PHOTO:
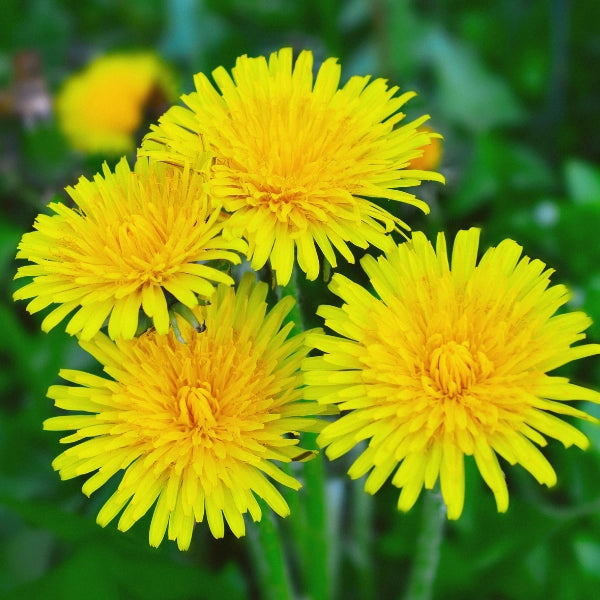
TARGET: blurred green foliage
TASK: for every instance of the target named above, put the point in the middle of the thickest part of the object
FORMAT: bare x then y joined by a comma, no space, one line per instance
513,87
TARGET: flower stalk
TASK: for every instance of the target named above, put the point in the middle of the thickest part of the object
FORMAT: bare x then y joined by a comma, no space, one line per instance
267,552
427,558
314,542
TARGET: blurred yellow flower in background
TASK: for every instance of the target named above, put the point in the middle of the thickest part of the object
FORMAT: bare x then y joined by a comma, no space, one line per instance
432,153
450,361
100,108
194,425
133,238
296,157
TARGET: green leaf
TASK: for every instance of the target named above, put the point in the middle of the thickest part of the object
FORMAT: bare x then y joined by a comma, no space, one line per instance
9,238
82,574
114,565
66,526
578,227
587,551
473,97
583,182
498,168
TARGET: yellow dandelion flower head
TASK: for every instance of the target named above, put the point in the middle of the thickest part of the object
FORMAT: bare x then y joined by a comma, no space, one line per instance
296,156
133,238
450,361
100,108
194,425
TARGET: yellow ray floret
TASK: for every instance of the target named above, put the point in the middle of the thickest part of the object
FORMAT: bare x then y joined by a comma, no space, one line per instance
100,108
133,237
297,156
450,360
195,426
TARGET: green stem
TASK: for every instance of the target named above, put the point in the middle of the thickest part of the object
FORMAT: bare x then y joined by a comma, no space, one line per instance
267,553
427,557
295,315
313,545
317,551
297,524
362,520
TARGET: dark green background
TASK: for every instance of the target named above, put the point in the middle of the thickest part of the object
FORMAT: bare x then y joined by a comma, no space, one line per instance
513,87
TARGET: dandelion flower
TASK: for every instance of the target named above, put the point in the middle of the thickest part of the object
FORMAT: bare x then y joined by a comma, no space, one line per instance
194,425
452,360
100,108
296,157
133,237
431,153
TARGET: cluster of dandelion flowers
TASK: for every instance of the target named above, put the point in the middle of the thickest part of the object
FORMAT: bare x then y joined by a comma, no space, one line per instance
295,156
133,238
100,108
195,425
450,361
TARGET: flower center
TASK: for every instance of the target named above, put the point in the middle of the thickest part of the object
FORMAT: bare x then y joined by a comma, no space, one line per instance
140,258
453,368
282,195
198,408
281,201
155,272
